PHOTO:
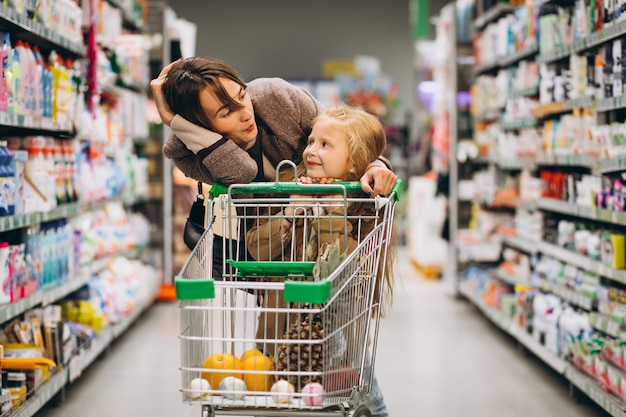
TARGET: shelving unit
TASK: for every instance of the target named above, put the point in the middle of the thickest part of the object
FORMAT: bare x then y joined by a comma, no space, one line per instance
21,26
604,109
451,74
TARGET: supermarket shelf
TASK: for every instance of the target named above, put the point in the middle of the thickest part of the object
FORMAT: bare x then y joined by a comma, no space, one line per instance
526,92
51,295
607,325
519,55
78,364
127,16
577,259
538,349
488,116
557,54
586,212
615,164
43,394
573,160
586,43
518,243
507,324
35,123
32,31
574,298
496,317
610,103
516,164
588,386
600,37
485,67
522,123
509,278
493,14
19,221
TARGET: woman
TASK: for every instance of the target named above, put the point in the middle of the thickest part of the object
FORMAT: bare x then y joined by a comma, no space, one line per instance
227,131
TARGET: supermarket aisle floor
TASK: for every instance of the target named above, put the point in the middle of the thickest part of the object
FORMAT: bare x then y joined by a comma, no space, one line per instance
437,357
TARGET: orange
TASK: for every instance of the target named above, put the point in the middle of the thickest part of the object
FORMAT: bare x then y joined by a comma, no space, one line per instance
225,362
260,381
249,353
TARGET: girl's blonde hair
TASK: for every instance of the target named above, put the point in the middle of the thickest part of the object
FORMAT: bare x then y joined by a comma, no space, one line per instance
364,132
366,142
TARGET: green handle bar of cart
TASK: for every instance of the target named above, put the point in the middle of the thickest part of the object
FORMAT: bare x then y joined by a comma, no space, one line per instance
351,187
316,292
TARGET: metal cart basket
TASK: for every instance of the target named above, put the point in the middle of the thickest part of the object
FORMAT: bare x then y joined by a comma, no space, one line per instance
279,313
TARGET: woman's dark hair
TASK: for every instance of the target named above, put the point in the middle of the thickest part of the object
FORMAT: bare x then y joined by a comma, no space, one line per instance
188,78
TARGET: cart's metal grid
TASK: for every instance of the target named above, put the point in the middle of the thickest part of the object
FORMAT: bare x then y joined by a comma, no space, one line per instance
329,321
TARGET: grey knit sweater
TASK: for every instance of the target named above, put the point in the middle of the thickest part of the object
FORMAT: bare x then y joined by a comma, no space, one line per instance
283,113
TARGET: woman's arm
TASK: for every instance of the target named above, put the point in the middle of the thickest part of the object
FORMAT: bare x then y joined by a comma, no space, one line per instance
207,156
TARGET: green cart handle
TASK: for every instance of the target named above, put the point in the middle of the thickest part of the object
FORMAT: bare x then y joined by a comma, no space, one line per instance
314,292
351,187
193,289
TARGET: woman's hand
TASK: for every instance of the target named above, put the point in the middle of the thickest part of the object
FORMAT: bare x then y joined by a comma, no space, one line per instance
156,86
378,180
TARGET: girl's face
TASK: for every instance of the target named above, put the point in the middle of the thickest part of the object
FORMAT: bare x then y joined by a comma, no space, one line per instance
238,125
327,153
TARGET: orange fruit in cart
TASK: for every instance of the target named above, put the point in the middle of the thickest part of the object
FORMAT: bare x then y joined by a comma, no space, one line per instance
258,381
249,353
221,365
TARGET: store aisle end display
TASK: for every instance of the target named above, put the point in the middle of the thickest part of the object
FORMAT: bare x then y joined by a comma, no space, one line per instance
76,262
547,187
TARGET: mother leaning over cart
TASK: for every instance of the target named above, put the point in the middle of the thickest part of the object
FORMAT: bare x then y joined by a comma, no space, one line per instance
227,131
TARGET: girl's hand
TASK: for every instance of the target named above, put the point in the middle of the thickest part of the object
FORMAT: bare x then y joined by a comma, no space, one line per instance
156,86
378,180
309,180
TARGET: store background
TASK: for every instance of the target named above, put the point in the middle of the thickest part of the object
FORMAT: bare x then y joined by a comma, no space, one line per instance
288,39
442,345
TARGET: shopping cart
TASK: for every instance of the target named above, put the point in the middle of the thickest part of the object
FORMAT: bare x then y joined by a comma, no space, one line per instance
307,317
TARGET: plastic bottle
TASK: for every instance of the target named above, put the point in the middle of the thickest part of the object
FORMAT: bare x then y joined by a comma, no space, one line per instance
5,288
53,64
8,173
35,170
28,76
69,159
5,181
5,52
46,81
63,96
15,106
38,83
59,172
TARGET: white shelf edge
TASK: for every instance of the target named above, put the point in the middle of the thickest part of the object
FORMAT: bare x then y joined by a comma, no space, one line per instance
577,259
588,386
43,394
538,349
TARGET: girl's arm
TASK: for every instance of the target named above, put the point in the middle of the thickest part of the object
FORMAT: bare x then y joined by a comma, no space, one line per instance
330,229
267,239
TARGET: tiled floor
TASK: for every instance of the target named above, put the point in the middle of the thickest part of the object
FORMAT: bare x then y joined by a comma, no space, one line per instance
437,357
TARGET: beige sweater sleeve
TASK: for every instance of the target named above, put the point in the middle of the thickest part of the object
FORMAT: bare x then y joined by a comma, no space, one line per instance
265,240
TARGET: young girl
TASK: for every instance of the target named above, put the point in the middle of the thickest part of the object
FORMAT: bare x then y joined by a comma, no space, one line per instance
342,143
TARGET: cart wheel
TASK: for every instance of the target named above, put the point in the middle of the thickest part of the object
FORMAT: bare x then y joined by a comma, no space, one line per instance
362,411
